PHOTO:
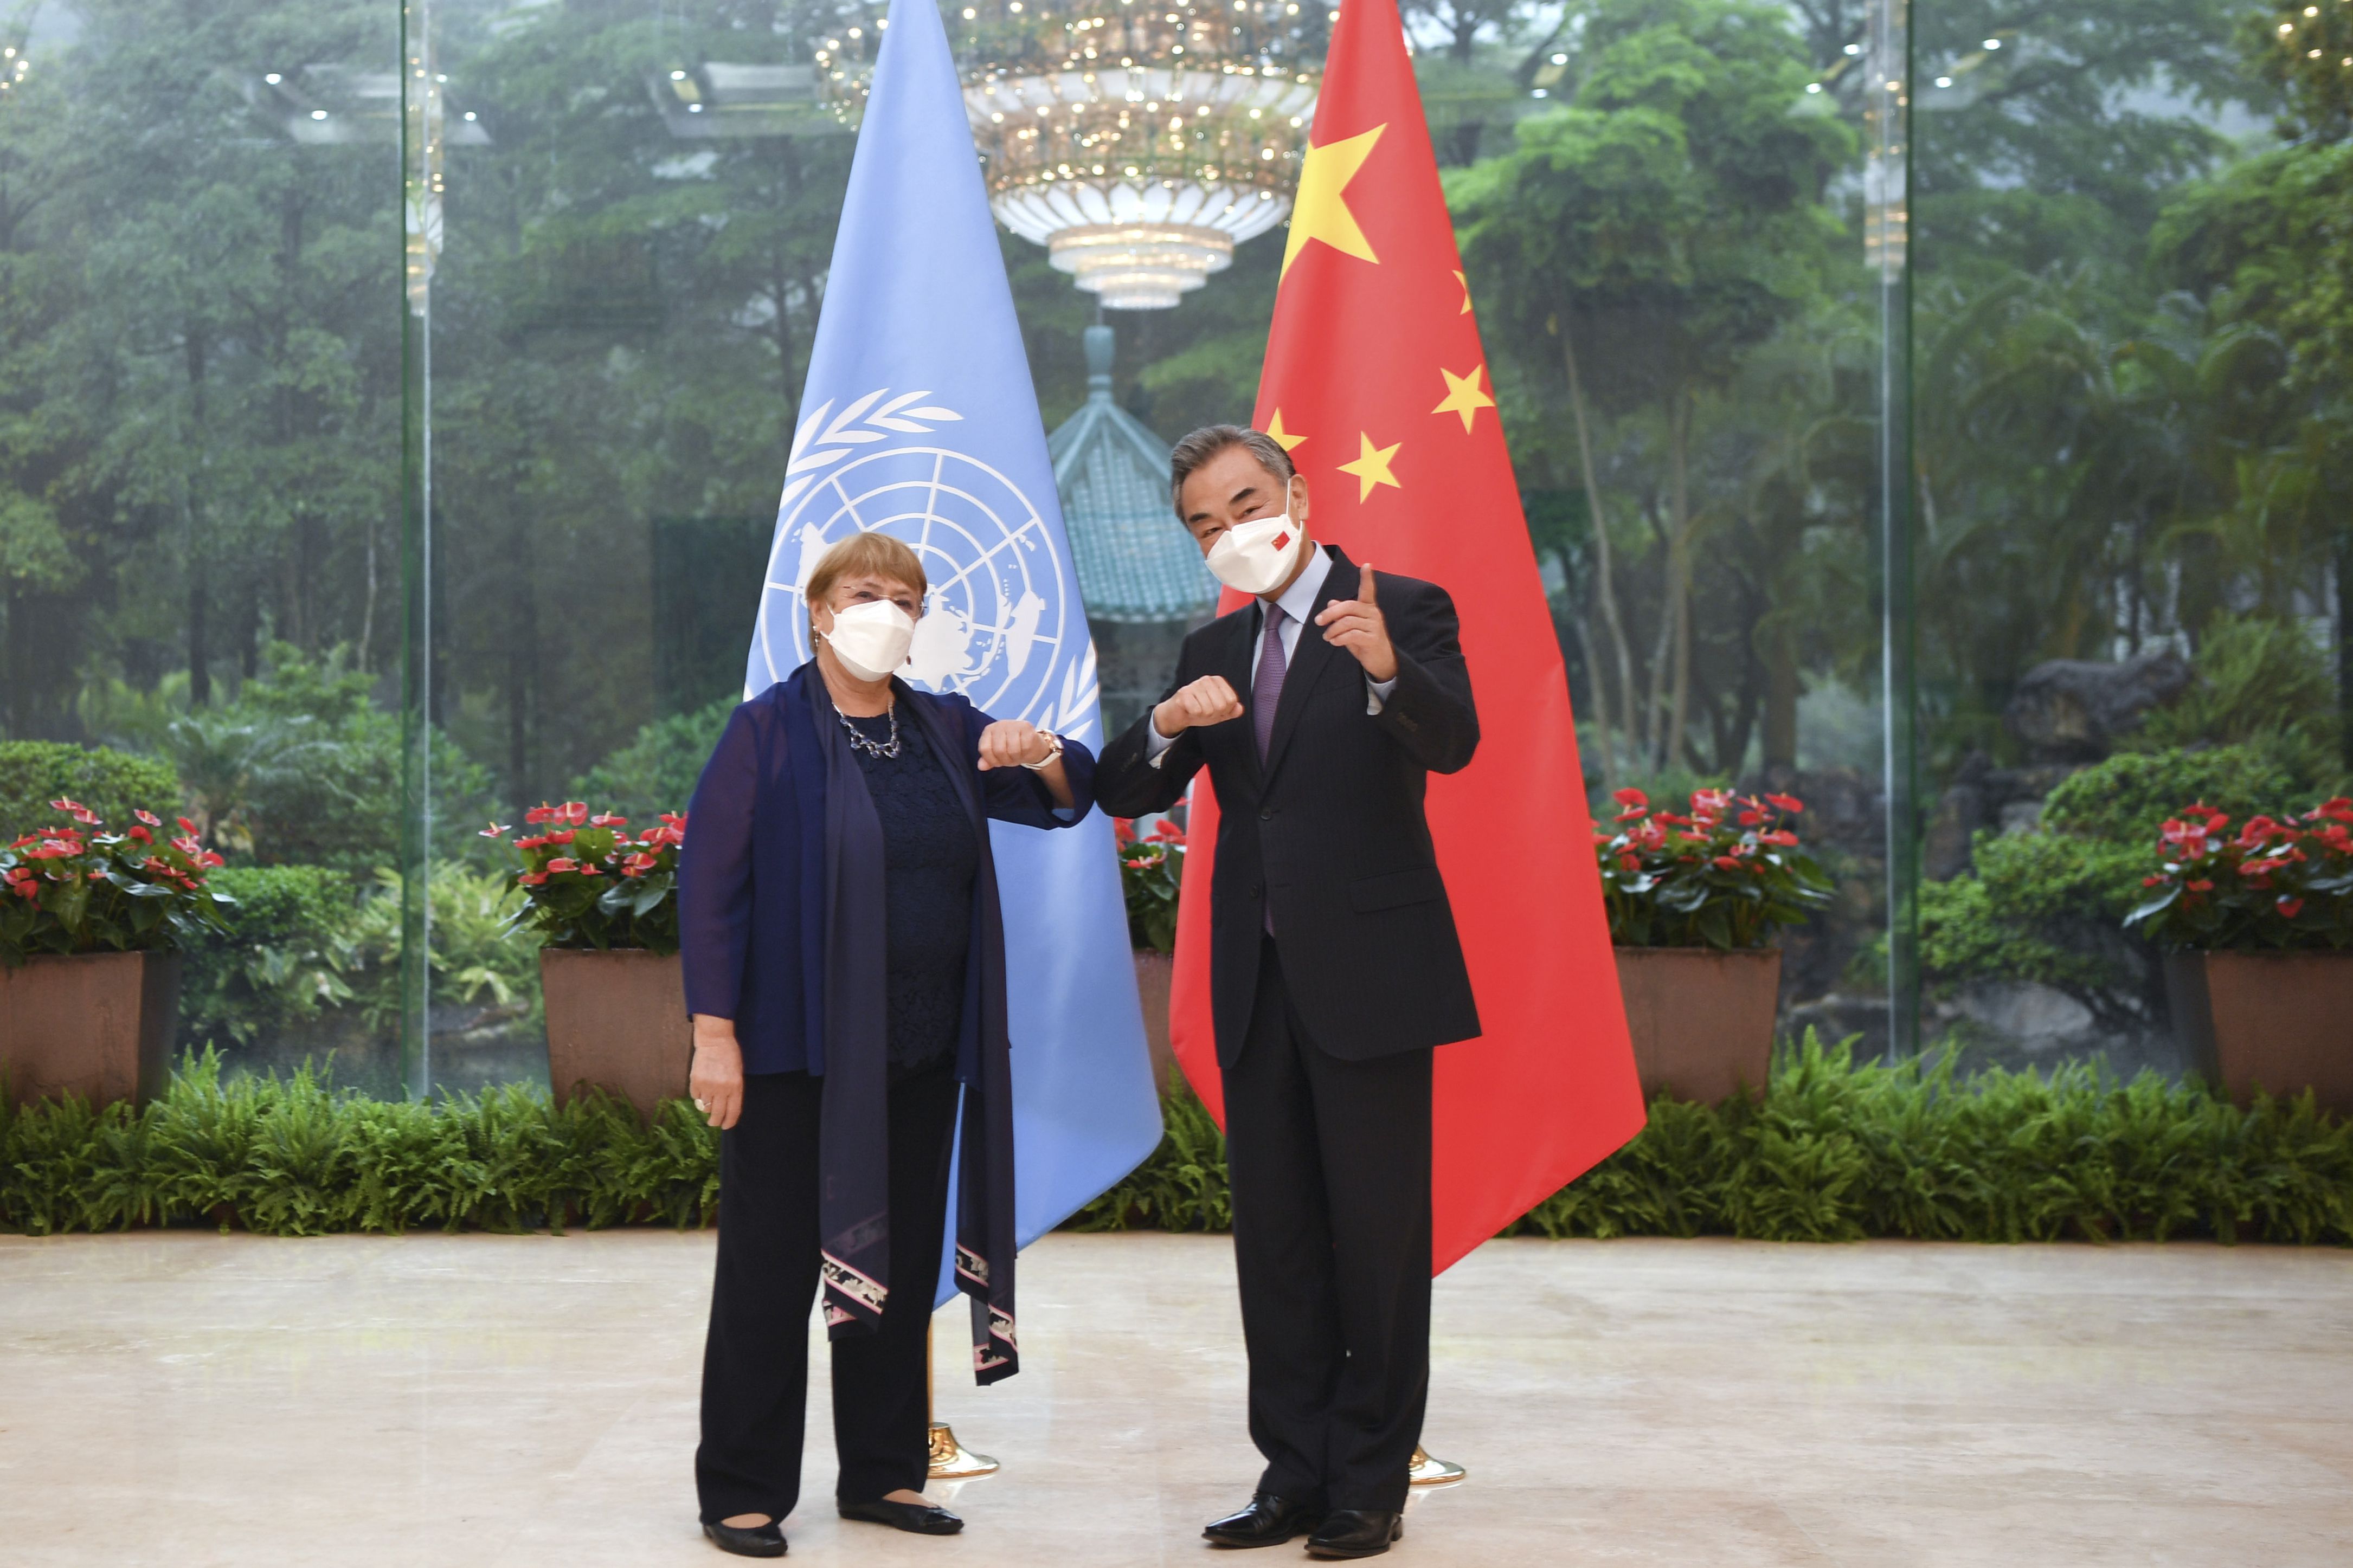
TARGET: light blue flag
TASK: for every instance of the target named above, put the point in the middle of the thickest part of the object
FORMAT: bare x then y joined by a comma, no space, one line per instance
919,420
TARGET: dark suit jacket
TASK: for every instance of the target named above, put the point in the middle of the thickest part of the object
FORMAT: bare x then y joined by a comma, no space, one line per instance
1328,836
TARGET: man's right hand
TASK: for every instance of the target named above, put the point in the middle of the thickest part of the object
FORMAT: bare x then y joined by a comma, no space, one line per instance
1209,701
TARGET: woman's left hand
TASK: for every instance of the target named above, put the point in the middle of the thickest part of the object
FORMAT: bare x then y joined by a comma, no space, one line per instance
1012,743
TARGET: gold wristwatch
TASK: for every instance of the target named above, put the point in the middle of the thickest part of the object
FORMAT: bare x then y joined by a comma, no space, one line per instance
1053,740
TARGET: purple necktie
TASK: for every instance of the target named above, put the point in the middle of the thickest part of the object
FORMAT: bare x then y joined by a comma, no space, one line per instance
1266,686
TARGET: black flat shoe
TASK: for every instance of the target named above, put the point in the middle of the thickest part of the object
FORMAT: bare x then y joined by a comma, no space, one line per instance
915,1518
1270,1520
1356,1532
748,1540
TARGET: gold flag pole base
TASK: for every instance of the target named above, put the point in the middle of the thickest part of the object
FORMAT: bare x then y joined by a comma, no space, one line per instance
952,1462
1426,1471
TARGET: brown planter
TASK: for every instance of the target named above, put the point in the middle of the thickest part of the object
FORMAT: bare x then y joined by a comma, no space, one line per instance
1702,1020
2281,1022
1154,971
96,1025
616,1020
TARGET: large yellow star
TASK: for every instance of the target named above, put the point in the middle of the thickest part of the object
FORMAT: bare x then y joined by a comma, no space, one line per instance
1463,397
1372,466
1320,211
1287,439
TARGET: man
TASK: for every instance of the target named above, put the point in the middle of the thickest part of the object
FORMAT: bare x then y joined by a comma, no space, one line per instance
1319,709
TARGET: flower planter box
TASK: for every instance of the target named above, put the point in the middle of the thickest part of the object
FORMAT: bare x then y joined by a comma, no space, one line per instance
616,1020
1154,972
2281,1022
1702,1020
96,1025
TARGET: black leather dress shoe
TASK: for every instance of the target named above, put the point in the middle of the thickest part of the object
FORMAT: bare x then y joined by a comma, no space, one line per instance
1270,1520
748,1540
1356,1532
915,1518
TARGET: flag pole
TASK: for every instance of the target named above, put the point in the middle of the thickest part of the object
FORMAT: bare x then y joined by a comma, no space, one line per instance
951,1460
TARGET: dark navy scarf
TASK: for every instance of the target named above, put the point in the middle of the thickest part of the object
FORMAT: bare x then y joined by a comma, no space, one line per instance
844,986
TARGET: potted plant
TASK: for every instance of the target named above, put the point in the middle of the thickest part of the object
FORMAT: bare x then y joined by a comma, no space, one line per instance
1693,901
604,901
91,922
1151,870
2257,928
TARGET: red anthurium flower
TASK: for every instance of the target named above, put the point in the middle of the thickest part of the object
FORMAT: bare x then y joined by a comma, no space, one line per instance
1631,796
149,818
140,834
1123,830
1726,863
2201,886
538,813
1782,837
185,825
98,876
531,878
495,830
574,812
209,859
2288,908
1751,818
566,836
562,864
1789,803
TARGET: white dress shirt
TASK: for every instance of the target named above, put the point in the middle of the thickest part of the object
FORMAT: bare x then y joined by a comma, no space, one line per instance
1297,602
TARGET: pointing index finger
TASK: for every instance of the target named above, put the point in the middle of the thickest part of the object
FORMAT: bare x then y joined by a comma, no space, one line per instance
1365,583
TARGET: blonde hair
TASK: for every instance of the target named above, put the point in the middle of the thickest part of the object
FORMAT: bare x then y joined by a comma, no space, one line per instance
857,556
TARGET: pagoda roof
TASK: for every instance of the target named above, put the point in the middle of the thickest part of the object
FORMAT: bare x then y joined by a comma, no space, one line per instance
1135,560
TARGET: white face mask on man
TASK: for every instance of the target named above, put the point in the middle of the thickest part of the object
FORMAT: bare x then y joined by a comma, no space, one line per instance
1257,557
872,639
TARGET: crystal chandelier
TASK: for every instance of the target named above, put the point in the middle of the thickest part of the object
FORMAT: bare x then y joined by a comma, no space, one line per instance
1138,143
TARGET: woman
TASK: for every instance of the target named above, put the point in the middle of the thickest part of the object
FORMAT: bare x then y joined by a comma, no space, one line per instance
845,966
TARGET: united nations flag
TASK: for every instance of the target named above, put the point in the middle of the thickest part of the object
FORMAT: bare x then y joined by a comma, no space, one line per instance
919,420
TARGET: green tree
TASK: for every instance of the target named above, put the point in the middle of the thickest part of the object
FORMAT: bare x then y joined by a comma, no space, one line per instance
1661,223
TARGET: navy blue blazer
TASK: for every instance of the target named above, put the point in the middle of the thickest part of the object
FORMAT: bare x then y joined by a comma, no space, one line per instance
751,875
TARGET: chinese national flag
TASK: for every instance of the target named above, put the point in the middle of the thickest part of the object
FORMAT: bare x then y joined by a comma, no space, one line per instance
1376,385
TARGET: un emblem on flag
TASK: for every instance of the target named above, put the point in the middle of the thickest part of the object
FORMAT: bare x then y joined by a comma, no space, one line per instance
998,625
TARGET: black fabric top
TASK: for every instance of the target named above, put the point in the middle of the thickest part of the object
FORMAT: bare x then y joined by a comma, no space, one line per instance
929,860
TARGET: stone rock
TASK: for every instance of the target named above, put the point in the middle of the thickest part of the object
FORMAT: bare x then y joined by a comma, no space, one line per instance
2074,711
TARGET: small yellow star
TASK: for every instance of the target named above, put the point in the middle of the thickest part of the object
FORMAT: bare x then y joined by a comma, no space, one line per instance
1466,294
1372,465
1463,397
1275,431
1320,210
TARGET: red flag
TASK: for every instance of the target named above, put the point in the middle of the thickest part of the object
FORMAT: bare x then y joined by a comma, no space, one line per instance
1376,385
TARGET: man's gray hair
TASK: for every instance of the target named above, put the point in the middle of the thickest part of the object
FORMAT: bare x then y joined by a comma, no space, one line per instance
1212,439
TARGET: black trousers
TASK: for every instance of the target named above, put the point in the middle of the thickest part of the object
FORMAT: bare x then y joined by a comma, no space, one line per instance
756,1357
1330,1162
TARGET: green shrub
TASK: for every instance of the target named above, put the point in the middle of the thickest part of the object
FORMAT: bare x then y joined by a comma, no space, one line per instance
658,770
1831,1151
297,1157
2049,905
2263,682
290,947
109,783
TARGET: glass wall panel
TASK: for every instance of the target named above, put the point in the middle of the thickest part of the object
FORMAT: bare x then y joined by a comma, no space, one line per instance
199,570
620,218
1686,273
2131,486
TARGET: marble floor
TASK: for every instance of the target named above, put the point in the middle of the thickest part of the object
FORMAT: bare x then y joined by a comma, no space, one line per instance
187,1399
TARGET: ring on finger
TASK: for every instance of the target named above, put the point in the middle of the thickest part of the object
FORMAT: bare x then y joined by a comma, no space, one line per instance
701,1104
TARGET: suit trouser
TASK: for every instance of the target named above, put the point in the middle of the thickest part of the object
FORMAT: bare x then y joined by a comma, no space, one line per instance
755,1357
1330,1163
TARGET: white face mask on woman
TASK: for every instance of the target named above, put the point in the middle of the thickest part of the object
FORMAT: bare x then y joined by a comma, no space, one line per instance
872,639
1256,557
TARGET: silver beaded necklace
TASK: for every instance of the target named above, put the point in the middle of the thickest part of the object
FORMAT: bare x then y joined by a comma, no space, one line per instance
860,741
